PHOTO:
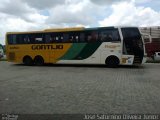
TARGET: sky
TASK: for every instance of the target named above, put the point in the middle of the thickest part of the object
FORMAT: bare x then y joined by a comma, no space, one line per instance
30,15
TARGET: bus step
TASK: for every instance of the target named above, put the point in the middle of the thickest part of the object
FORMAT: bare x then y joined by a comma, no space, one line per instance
137,59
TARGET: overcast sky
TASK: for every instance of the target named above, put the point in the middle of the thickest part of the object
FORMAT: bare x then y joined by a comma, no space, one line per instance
26,15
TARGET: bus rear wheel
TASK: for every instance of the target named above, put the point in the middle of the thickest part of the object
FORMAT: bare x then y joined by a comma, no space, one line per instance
27,61
39,61
112,61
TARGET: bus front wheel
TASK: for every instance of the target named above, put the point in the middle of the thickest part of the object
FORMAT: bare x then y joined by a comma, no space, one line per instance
27,61
112,61
39,61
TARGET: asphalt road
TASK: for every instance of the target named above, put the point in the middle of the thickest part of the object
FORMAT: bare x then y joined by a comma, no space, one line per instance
73,89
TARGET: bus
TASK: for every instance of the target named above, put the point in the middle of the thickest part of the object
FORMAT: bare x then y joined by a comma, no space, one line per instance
111,46
1,51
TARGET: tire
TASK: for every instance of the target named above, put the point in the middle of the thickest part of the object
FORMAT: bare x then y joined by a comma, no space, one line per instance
27,61
39,61
112,61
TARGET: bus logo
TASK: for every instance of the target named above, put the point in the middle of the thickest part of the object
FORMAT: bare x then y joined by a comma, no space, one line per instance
46,47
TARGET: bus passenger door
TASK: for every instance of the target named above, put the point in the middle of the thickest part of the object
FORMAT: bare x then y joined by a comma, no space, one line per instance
132,44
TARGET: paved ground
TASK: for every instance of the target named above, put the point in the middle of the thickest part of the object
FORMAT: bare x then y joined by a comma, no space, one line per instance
79,89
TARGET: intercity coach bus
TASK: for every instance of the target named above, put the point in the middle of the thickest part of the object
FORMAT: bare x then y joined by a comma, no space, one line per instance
111,46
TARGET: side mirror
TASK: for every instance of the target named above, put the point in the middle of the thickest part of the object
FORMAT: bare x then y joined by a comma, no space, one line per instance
146,38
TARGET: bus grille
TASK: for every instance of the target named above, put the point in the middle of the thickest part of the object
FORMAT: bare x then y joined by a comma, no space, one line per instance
11,56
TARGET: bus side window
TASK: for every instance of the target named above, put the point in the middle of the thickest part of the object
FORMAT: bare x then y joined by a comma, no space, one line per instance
58,37
48,38
91,36
19,39
77,38
38,38
52,37
94,36
82,37
22,39
109,35
31,38
116,36
71,38
12,39
106,36
26,39
65,37
87,37
61,38
74,37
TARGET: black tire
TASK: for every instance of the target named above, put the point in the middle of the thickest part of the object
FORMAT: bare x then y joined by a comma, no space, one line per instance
112,61
39,61
27,61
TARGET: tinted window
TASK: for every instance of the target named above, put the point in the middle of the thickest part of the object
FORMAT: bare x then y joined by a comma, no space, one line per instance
11,39
23,39
129,33
34,38
91,36
109,35
65,37
48,38
39,38
82,37
74,37
132,40
56,37
132,36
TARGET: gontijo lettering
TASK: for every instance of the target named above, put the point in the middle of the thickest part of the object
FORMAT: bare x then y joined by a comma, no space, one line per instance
46,47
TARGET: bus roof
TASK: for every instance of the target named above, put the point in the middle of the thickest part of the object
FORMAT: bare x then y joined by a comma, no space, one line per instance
51,30
67,29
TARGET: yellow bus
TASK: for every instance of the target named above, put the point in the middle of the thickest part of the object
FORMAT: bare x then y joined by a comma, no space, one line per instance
111,46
